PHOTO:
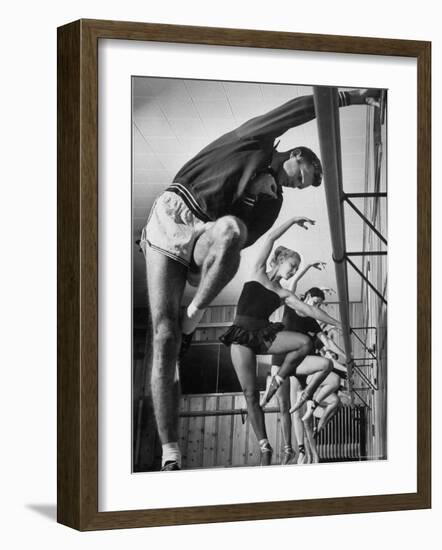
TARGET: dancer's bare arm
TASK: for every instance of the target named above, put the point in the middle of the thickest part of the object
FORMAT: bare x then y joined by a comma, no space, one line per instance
330,344
304,309
301,272
270,238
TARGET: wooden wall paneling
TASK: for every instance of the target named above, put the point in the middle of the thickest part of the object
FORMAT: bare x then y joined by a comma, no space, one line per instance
195,433
210,435
224,451
183,429
239,438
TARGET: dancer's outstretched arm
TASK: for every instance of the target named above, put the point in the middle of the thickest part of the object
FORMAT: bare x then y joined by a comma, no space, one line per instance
332,346
270,238
301,307
301,272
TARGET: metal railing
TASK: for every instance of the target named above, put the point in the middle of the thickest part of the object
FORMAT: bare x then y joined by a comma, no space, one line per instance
327,114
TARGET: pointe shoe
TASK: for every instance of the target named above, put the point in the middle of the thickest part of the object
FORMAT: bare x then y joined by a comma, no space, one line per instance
302,459
266,456
287,456
270,391
303,398
309,412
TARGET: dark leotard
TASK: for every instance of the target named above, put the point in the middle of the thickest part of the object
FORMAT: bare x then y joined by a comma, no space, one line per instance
257,301
251,326
298,323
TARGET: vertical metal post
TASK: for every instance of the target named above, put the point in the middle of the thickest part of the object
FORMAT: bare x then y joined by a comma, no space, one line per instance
327,116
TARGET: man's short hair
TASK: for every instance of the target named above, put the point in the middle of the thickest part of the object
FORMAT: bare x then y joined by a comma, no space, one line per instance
309,156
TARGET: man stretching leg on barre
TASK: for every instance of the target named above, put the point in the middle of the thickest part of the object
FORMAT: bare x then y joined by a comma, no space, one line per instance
221,201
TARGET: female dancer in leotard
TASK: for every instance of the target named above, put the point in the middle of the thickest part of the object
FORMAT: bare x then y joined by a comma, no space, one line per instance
253,334
328,388
326,401
295,385
310,327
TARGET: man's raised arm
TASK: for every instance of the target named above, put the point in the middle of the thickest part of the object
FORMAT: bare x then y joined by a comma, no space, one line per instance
299,111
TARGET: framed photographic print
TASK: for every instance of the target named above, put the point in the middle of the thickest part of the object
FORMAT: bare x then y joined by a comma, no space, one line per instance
243,275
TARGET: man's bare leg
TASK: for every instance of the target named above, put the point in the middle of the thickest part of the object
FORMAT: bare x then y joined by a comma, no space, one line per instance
217,255
166,279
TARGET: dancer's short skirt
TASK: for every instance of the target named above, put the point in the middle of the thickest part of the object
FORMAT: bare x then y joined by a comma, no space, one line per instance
256,334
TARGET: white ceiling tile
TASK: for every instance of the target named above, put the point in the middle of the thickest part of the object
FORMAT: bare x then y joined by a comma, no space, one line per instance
243,91
218,126
215,128
146,161
146,107
193,146
278,94
180,107
155,177
188,128
173,162
219,108
141,87
245,110
268,104
163,146
139,143
205,89
154,127
165,89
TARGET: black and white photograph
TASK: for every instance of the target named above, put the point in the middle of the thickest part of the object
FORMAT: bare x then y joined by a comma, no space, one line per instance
228,278
259,274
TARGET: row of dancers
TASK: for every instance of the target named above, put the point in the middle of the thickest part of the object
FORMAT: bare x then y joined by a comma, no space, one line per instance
306,362
220,202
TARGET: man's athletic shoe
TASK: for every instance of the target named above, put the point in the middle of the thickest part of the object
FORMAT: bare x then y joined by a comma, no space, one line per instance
170,466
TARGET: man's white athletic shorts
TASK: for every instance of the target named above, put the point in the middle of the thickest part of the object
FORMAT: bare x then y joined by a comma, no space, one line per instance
172,229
